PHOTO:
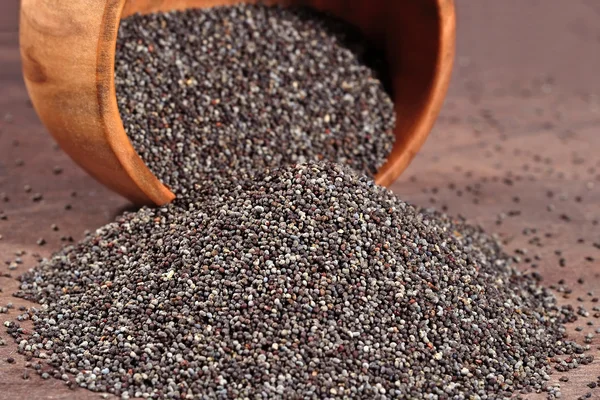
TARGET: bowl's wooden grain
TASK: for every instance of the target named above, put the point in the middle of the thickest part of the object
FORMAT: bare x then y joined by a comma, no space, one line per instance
68,51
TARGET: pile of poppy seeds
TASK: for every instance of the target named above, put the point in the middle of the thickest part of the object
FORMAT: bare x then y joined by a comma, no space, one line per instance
230,90
306,281
281,270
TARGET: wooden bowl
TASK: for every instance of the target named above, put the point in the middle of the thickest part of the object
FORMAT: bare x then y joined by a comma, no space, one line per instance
68,51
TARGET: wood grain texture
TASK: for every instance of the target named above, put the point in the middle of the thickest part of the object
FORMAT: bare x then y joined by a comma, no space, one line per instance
68,52
521,120
421,65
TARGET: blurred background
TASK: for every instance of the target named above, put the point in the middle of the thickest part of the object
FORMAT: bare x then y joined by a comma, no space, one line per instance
516,149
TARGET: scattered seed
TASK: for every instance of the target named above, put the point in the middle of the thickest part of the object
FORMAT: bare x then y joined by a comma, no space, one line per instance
37,197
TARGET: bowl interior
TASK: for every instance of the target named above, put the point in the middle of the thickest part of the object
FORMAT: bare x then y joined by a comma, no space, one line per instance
418,40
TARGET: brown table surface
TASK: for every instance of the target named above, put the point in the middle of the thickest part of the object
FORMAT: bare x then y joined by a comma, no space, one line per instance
516,149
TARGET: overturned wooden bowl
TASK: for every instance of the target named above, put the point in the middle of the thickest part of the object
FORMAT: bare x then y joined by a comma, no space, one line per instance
68,52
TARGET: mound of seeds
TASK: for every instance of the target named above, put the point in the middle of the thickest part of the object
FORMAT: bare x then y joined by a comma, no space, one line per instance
305,282
206,93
